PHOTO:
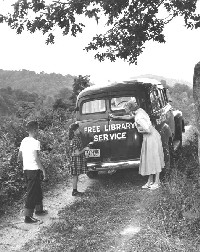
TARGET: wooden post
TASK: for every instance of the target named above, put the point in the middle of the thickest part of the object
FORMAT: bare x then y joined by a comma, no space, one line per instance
196,96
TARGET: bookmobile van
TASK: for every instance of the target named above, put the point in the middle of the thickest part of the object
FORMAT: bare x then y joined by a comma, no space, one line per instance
116,144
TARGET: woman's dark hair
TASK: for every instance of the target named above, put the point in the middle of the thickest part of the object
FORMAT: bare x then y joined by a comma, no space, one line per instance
72,128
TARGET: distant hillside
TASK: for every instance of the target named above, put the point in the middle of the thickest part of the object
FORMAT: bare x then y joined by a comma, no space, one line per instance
169,81
42,83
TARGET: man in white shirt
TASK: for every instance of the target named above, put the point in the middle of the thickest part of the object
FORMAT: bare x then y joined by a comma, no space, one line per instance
29,154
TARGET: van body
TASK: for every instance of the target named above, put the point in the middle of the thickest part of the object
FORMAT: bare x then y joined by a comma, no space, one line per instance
116,144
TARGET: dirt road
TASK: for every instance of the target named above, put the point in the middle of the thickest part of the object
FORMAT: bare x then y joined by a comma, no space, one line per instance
14,233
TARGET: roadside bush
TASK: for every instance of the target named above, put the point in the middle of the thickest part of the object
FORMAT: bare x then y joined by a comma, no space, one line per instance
175,209
54,150
45,118
54,155
10,171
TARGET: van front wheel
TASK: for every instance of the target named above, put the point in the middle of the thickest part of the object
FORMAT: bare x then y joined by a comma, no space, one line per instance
92,174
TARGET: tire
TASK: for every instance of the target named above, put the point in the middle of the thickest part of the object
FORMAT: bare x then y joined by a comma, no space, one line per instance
168,151
180,138
183,126
92,174
171,153
178,130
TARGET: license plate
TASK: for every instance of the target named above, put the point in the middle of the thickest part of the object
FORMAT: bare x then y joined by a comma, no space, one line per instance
92,153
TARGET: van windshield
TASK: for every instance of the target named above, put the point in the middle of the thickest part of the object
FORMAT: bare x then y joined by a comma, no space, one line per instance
117,103
94,106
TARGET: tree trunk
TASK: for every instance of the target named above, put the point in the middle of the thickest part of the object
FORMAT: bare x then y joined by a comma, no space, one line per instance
196,95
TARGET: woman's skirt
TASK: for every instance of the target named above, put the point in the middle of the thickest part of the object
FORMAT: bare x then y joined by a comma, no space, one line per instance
78,165
152,156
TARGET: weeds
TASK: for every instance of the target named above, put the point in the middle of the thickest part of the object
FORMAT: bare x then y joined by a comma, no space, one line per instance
54,153
168,219
175,209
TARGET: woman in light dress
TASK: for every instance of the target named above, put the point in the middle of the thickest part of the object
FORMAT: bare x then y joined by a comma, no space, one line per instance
152,157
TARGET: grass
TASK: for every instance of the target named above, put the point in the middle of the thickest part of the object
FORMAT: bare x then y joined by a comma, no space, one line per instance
94,222
116,215
175,211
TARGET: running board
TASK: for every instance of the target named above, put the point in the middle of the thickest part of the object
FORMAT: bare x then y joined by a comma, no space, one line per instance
176,144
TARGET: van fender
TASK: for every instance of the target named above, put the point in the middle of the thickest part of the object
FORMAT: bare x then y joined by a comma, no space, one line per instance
166,133
179,119
179,125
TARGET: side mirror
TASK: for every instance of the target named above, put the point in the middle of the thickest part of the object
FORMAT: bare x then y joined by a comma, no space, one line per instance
76,109
168,95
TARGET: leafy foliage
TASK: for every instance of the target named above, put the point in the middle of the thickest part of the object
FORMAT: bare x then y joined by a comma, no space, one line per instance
10,172
40,83
196,95
80,83
130,23
54,116
16,101
175,209
182,99
115,215
54,152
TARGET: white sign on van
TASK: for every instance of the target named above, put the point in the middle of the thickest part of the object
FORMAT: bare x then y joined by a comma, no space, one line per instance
111,131
110,136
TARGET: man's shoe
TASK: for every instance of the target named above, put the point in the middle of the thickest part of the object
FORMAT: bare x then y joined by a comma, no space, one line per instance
77,193
42,212
30,220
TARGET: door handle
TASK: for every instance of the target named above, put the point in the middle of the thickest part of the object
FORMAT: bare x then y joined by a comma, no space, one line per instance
110,116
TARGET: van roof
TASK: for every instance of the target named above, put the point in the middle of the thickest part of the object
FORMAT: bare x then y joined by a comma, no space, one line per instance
121,86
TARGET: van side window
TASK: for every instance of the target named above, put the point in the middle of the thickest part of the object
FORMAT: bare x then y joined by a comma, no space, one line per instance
94,106
165,95
155,100
161,97
117,103
158,97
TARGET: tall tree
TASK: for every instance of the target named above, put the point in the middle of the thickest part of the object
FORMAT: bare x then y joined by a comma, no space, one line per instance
80,83
130,23
196,95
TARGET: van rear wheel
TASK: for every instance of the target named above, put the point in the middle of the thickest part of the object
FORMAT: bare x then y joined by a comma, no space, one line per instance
92,174
171,152
178,132
169,160
180,136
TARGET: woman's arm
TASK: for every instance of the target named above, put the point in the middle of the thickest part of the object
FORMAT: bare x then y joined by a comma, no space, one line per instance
142,125
143,131
124,117
79,152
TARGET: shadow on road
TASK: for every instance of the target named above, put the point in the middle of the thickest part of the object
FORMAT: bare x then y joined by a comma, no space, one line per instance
122,178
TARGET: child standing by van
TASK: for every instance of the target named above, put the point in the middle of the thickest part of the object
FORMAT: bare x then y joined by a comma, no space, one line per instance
29,154
77,160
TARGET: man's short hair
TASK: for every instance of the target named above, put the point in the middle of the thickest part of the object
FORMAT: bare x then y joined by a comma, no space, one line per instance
32,125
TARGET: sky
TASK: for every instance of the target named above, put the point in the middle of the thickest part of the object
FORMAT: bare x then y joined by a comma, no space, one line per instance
174,59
